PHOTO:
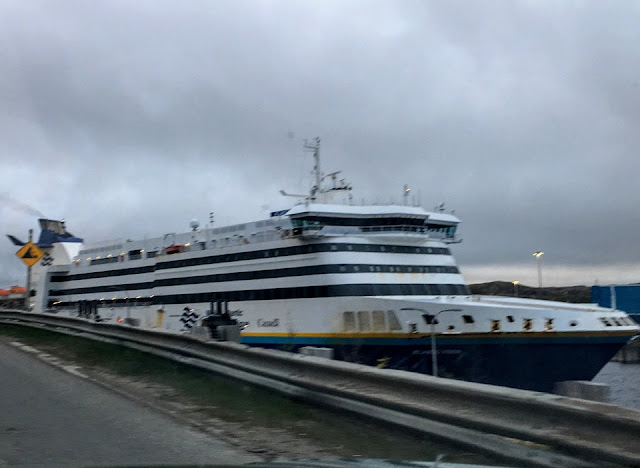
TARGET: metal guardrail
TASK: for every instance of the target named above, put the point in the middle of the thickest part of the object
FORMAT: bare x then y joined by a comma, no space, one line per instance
473,414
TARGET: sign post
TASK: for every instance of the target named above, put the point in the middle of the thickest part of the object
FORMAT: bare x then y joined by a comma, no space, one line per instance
30,254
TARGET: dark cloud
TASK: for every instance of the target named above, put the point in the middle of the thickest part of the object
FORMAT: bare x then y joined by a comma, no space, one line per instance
130,119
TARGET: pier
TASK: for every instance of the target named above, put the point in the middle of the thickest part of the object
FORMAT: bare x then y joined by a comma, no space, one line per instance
629,354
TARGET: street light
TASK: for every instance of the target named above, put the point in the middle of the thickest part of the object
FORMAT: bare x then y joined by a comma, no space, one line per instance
515,287
432,320
538,255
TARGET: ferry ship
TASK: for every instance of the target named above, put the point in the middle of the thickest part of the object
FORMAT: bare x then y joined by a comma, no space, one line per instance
377,284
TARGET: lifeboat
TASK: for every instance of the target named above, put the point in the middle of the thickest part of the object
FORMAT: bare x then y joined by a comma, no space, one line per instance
174,249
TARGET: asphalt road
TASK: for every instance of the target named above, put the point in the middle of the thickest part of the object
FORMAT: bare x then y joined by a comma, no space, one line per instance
49,417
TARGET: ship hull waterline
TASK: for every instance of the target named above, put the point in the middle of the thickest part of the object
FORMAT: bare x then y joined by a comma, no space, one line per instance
526,363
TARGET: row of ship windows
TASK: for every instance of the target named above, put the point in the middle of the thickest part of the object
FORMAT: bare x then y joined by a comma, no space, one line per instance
337,290
374,321
252,255
119,258
371,321
617,321
334,290
397,269
274,273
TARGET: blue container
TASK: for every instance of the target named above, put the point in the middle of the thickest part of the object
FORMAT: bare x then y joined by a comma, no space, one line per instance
627,298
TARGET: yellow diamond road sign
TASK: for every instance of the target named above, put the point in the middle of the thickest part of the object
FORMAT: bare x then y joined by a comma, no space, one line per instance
30,254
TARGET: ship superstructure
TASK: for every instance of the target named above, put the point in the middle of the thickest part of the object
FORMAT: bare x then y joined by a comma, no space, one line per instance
371,281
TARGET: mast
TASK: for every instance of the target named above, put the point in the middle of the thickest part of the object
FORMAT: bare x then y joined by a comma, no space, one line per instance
314,146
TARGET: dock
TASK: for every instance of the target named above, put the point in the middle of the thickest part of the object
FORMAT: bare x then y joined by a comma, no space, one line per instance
630,354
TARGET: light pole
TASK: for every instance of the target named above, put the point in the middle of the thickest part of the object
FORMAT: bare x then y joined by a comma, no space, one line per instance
539,254
515,287
432,320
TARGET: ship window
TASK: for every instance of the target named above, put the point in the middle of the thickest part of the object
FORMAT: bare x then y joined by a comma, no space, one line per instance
371,268
573,323
429,250
378,269
364,321
527,324
409,270
448,289
356,268
349,321
394,323
605,321
495,326
430,319
378,320
548,324
151,254
349,247
450,328
615,320
334,247
343,268
382,248
468,319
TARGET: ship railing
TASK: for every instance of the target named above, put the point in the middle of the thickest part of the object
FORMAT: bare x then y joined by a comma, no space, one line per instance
322,230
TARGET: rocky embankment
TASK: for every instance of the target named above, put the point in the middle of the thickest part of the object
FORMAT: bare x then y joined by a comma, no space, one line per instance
576,294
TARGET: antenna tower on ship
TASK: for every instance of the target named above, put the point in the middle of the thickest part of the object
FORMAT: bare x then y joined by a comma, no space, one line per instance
317,192
314,146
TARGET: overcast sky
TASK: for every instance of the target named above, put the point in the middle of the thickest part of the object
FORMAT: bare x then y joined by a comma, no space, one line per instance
130,118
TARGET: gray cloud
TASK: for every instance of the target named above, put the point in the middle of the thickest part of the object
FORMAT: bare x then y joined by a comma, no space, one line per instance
130,119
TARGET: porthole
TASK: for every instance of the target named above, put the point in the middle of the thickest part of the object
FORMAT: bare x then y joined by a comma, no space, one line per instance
468,319
510,318
573,323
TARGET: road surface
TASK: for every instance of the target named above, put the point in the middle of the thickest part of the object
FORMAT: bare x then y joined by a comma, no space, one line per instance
49,417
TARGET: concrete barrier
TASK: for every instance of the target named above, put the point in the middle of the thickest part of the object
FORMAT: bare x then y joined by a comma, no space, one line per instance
583,389
594,430
326,353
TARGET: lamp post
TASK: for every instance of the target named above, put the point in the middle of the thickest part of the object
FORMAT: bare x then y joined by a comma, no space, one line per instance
432,320
539,254
515,287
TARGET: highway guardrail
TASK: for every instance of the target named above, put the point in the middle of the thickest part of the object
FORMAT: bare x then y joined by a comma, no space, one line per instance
496,419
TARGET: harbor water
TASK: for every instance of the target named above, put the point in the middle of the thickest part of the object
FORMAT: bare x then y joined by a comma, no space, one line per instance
624,381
